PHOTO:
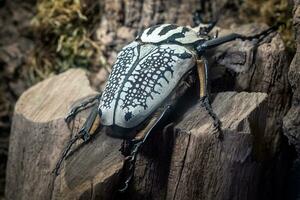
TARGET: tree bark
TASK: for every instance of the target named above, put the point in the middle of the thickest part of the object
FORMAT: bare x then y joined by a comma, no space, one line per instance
291,122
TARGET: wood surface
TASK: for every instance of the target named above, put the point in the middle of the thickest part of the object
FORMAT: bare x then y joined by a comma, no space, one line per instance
291,121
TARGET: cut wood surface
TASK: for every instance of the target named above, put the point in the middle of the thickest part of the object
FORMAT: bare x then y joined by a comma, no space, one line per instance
183,160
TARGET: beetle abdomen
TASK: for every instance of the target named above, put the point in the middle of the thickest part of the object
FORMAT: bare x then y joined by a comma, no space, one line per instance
154,71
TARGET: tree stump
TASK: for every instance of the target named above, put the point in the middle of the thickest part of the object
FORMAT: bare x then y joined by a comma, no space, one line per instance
183,160
38,136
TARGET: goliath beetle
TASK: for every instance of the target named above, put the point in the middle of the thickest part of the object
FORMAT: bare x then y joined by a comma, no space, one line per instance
146,81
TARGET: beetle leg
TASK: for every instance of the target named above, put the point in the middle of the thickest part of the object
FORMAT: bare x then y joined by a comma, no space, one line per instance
136,144
221,40
90,126
64,154
217,123
203,76
202,68
82,106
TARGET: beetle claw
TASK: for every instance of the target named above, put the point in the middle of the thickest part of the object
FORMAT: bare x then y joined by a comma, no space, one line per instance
129,162
124,188
82,106
126,184
217,123
130,169
70,116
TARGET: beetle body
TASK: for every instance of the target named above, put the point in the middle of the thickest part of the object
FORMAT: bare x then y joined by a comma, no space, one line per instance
146,80
145,74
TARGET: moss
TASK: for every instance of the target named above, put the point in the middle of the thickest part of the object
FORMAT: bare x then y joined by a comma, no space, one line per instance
63,40
271,12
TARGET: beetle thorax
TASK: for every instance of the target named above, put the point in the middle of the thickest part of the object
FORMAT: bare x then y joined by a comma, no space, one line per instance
169,34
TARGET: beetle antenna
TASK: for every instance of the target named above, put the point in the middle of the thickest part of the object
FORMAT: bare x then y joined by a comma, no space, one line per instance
221,40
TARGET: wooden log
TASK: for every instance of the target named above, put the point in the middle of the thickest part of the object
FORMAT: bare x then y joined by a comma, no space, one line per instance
264,68
216,169
39,135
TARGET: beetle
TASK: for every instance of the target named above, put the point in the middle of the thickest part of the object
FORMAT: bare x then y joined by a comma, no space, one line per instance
145,82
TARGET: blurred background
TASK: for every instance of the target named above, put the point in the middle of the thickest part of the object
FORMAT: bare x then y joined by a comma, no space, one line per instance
41,38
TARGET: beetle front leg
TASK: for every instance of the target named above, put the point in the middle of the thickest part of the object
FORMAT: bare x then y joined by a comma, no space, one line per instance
82,106
202,68
136,144
234,36
217,123
129,162
90,126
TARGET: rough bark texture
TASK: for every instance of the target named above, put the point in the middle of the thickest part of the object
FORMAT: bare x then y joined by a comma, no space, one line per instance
122,20
292,119
291,123
265,70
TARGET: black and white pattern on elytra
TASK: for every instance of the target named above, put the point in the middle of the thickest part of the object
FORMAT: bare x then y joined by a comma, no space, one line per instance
124,61
152,80
146,76
169,33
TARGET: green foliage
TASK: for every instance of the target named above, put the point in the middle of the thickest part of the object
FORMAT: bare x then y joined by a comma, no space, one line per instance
63,40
